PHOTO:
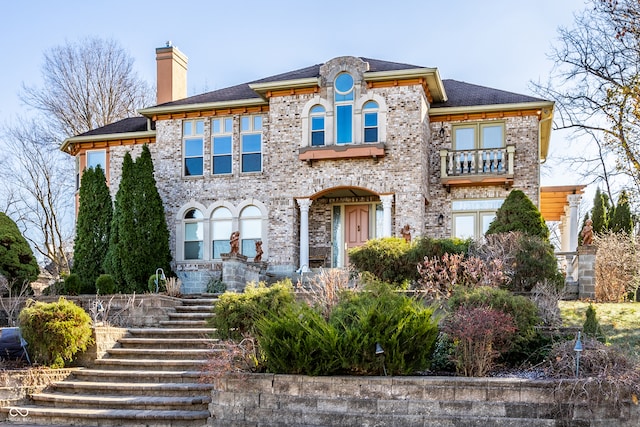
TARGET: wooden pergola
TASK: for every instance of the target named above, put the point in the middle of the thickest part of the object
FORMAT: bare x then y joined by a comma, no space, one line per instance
554,200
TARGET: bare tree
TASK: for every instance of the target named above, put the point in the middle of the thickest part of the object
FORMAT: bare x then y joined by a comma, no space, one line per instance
596,86
87,84
40,198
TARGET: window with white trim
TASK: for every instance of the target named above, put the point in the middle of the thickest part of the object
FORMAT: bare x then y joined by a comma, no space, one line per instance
193,235
317,117
193,147
343,104
221,224
471,218
250,230
251,143
221,145
370,121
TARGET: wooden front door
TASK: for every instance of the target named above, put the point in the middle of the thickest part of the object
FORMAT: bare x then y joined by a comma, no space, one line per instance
356,227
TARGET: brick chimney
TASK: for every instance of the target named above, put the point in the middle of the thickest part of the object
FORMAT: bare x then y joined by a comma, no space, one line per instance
172,74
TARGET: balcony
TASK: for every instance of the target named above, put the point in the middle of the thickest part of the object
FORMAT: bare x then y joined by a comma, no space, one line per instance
485,166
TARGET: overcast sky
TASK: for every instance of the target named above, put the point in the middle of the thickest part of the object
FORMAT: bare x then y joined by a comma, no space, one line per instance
497,43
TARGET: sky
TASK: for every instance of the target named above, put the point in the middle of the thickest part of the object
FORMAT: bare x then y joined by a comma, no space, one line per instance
501,44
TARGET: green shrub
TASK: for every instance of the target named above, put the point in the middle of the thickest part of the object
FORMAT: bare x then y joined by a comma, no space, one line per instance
518,213
591,327
105,284
216,286
73,285
522,309
55,331
161,286
393,260
235,314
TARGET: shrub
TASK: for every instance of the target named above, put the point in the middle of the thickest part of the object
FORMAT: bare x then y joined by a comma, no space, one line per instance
480,335
384,258
591,327
105,284
518,213
73,285
161,285
55,331
216,286
523,311
617,267
235,314
17,262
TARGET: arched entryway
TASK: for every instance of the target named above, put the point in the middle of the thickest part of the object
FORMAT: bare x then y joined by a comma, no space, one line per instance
334,220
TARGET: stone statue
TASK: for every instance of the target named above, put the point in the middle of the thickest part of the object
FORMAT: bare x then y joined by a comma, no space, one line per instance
259,251
234,241
406,233
587,233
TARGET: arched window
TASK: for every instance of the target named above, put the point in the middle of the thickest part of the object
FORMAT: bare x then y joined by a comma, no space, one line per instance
343,99
221,223
250,230
193,234
370,113
317,115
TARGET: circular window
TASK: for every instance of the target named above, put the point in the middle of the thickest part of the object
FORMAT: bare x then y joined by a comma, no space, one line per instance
344,83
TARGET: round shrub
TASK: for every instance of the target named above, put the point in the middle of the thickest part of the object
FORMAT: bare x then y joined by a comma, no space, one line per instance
55,331
161,285
522,309
105,284
384,258
73,284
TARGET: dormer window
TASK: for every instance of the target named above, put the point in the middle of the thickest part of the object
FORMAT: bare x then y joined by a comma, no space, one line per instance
317,116
343,99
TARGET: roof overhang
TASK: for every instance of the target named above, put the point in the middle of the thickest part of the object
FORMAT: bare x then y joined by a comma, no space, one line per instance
430,75
69,143
264,88
544,110
185,108
553,200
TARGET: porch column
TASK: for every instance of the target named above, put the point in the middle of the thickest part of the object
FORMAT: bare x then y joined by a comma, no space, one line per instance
304,205
564,231
574,202
387,201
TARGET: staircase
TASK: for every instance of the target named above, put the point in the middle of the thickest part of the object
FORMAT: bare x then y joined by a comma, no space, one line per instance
149,379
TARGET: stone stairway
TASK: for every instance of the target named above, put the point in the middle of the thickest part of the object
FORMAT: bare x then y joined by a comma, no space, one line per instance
149,379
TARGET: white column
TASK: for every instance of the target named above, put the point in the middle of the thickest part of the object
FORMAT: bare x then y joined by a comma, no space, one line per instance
574,203
387,201
304,205
564,231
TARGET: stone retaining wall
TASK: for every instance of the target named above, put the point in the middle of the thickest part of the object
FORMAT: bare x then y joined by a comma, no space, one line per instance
277,400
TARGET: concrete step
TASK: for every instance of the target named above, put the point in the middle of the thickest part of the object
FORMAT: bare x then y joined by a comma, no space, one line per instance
31,414
131,388
168,343
199,301
107,401
183,323
205,309
196,331
150,364
142,376
189,316
155,353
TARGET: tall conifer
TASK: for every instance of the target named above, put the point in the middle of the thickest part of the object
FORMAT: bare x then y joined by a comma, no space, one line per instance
518,213
621,220
92,228
600,212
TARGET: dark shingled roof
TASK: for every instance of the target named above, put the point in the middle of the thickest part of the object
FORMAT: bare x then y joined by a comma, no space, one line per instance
461,94
131,124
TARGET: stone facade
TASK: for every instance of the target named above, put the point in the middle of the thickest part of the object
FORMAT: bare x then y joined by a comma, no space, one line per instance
336,179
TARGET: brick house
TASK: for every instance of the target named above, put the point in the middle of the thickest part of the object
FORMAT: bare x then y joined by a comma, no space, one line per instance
315,161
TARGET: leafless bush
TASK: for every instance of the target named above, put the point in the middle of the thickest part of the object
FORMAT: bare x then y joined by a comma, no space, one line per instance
96,310
546,295
324,289
502,246
617,266
230,358
10,300
121,315
173,286
439,277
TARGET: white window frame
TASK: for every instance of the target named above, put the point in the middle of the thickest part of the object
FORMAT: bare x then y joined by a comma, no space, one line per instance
226,131
192,136
191,221
476,208
253,128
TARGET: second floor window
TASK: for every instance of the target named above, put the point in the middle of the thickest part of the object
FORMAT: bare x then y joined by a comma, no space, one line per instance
193,147
251,143
343,100
221,145
317,125
370,113
478,136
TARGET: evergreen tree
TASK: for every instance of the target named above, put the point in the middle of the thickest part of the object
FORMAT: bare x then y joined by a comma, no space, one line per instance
92,228
17,262
139,236
152,225
518,213
117,262
600,212
621,220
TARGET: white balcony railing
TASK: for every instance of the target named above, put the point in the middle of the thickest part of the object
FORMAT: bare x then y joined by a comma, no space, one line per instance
483,161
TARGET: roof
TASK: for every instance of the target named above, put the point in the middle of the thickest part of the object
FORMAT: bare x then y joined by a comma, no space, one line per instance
462,94
130,124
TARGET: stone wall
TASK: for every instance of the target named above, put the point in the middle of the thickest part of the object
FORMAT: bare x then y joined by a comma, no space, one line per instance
286,400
